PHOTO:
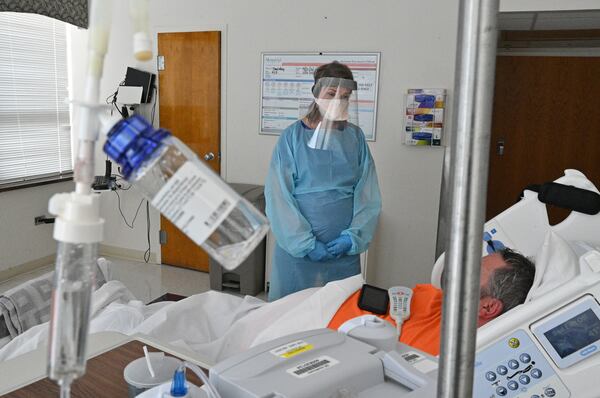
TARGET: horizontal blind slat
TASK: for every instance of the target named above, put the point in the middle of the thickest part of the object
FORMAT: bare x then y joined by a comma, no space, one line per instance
35,137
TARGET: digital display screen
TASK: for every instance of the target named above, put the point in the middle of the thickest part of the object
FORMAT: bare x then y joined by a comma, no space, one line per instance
574,334
373,299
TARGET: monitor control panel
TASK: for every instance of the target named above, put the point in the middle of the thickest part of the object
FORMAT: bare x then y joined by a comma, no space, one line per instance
514,366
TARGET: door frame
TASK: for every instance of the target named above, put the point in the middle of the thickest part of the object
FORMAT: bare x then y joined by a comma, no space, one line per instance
155,30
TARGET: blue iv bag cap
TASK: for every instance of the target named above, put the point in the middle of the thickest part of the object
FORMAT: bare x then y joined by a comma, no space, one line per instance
131,141
178,385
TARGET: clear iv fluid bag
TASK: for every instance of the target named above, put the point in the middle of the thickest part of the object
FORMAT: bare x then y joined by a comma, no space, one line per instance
74,280
186,191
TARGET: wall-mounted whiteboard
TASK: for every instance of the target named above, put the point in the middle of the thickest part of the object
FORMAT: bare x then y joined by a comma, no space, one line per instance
287,79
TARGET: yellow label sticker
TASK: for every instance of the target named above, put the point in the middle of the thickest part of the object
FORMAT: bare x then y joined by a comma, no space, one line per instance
292,349
513,342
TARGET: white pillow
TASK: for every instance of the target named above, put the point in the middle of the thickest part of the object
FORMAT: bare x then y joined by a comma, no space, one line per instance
555,264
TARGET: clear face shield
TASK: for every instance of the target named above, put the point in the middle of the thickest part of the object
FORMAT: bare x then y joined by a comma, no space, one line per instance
334,107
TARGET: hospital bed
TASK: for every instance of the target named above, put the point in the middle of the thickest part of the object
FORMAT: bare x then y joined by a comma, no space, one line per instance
544,348
523,226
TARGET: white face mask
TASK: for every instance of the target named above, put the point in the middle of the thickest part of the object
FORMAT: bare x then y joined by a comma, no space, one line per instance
333,109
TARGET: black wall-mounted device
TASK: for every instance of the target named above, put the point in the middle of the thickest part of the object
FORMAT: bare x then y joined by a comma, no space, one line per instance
136,77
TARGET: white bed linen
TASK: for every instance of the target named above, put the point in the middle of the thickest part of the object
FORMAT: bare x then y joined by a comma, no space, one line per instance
215,325
114,308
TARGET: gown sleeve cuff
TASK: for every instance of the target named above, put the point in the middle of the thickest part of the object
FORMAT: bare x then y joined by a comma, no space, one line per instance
355,248
303,251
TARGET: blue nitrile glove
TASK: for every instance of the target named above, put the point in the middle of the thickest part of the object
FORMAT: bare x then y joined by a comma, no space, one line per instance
339,246
320,253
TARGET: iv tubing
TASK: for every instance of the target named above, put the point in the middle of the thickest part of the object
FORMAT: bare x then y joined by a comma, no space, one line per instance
211,389
99,32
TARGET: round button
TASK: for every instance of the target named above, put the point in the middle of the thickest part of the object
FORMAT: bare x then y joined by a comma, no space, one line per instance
536,373
490,376
513,364
525,358
501,391
549,391
512,385
502,370
524,379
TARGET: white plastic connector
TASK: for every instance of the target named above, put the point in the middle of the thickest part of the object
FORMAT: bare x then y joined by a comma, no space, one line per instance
77,218
107,122
142,46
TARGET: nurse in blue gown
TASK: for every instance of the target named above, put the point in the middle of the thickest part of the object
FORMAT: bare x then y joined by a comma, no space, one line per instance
322,194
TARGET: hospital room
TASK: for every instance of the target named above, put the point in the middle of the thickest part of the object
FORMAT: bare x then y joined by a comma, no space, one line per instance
225,198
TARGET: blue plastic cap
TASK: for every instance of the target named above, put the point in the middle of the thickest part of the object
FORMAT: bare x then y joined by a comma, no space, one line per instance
179,383
131,141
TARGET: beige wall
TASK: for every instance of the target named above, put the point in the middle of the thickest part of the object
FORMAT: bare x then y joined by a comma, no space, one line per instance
417,45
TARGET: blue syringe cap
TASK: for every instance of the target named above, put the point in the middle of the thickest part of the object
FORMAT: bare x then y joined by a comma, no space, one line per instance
131,141
179,383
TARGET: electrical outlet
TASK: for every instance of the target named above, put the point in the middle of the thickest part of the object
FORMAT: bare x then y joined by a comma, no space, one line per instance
43,220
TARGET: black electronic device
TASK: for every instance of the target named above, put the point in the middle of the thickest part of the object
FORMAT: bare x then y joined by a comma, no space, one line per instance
105,182
374,299
136,77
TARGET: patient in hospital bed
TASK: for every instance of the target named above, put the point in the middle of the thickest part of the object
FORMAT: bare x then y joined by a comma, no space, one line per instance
215,325
506,277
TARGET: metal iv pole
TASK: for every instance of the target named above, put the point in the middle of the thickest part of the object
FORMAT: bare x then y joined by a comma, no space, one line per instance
475,68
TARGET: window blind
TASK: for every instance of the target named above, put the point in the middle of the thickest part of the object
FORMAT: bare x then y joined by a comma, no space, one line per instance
35,136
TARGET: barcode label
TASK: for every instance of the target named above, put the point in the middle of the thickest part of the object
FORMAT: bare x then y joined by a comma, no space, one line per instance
411,357
419,362
313,366
194,201
216,215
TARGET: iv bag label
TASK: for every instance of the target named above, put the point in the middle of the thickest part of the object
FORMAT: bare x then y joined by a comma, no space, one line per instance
313,366
292,349
194,202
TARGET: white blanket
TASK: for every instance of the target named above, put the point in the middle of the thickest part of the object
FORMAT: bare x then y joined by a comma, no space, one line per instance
215,325
114,308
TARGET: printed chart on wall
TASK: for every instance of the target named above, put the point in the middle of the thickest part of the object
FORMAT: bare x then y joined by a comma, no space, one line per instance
287,79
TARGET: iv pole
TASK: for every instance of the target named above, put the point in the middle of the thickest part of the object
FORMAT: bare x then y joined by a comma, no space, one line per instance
475,69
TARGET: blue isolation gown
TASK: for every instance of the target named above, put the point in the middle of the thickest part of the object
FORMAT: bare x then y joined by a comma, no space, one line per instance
315,194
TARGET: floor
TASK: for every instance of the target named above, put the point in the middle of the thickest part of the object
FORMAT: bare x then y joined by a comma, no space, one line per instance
146,281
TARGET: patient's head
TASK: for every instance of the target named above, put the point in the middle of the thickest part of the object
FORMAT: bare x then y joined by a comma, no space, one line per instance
506,277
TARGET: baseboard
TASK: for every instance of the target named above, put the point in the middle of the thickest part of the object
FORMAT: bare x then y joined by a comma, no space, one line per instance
27,267
125,254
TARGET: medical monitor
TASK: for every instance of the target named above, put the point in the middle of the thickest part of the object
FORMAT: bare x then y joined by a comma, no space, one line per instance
571,334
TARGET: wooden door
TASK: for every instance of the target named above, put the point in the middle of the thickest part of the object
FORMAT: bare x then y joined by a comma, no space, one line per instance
190,107
547,118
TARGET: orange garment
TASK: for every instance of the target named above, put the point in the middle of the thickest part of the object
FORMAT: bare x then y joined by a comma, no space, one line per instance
421,330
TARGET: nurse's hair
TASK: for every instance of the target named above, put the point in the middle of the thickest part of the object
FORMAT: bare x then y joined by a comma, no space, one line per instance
333,69
511,284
